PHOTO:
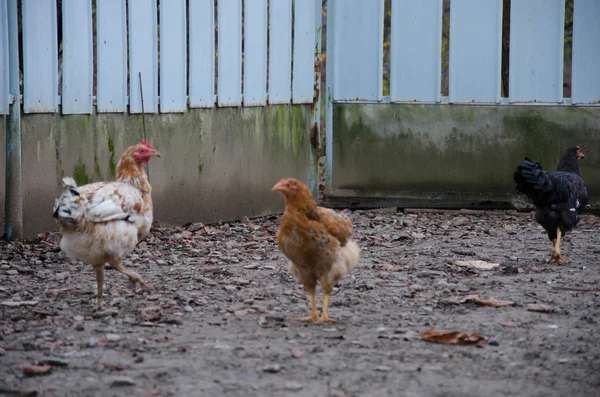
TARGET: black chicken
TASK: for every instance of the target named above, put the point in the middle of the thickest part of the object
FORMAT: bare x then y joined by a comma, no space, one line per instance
558,196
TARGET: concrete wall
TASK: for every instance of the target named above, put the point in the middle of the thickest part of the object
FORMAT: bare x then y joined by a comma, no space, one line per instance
455,152
2,170
216,164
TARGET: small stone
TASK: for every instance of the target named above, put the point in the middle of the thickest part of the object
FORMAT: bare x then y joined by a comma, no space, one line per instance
293,386
240,313
459,220
78,318
122,381
418,235
272,368
383,368
113,337
57,362
12,272
513,258
196,226
416,287
494,342
188,308
105,313
251,266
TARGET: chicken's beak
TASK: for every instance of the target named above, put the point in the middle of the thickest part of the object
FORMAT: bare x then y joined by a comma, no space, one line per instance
278,187
156,153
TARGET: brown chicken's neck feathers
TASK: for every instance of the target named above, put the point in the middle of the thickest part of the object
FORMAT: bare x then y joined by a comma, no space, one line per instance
131,172
302,202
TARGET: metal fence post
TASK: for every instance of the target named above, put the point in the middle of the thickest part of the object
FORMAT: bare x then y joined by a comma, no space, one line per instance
14,185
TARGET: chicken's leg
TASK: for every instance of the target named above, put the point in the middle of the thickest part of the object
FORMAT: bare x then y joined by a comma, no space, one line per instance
556,257
134,278
99,270
327,289
314,316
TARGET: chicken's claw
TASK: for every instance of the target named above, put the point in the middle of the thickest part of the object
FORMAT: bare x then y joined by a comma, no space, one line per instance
326,319
313,318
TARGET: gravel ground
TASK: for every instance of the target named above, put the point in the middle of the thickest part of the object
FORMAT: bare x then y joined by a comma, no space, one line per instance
220,320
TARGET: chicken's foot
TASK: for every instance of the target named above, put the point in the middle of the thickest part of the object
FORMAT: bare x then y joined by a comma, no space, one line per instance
134,278
314,316
324,317
556,256
99,270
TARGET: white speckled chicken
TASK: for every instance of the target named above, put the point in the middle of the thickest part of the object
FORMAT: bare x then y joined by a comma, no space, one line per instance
101,223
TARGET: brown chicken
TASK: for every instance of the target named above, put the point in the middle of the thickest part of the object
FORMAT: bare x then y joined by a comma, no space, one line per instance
317,241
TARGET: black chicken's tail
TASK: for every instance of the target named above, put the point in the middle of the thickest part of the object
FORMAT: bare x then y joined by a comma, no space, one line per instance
531,180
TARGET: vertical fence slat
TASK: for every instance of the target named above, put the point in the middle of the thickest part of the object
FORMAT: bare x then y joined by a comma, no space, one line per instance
304,52
416,42
475,65
229,85
585,82
4,89
40,57
357,49
111,49
280,51
255,56
202,53
143,55
536,51
78,54
173,56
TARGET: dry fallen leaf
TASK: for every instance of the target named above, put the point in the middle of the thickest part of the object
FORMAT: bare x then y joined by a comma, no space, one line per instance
2,352
479,265
34,370
539,307
508,323
388,267
479,300
150,313
296,353
452,337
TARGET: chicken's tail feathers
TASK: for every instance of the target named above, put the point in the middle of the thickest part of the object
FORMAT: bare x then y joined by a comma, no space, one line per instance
67,208
351,253
531,179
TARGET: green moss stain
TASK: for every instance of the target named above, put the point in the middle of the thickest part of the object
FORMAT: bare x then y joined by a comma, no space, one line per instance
60,174
466,151
80,174
299,132
112,165
200,167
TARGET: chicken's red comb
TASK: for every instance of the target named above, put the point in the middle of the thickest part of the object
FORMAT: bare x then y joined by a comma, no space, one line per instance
145,143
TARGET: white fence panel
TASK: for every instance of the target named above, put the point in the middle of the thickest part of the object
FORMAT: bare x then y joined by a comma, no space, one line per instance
416,42
357,49
280,51
537,29
585,83
202,53
40,56
111,48
304,51
173,56
229,91
255,54
475,65
78,57
4,84
143,55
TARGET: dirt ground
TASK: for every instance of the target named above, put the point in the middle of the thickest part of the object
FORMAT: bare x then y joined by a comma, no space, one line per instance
220,320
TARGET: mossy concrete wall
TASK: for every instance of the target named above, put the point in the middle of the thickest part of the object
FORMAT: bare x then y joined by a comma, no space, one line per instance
2,170
216,164
455,152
